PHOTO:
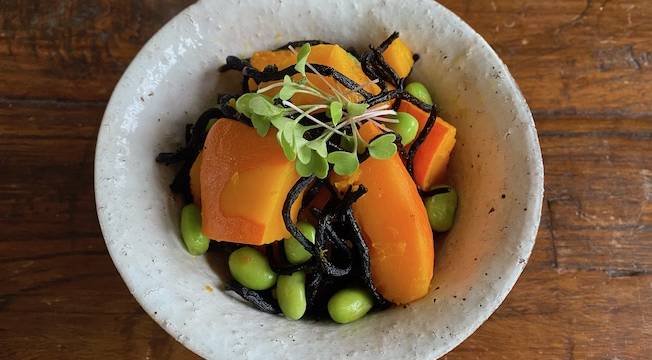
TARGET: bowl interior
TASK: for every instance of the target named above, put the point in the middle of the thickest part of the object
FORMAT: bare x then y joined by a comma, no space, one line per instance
496,168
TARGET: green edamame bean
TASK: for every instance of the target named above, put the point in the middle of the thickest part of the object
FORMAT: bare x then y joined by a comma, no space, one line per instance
294,251
291,294
441,210
419,91
196,242
348,305
251,269
407,127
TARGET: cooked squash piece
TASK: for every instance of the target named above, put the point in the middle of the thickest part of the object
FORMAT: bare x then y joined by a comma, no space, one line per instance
431,158
395,226
399,57
244,182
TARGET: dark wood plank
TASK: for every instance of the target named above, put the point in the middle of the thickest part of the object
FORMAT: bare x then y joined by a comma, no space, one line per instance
60,294
561,312
599,192
87,336
571,56
74,50
47,182
567,315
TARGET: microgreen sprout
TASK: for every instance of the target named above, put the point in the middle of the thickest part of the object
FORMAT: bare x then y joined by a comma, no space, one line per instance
271,105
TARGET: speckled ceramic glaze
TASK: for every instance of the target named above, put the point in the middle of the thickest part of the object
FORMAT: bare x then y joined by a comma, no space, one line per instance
496,168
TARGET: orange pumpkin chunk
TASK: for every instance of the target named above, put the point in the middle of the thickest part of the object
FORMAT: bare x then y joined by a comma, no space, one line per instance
245,179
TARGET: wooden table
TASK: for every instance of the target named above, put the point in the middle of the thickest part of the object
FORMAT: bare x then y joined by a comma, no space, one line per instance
584,66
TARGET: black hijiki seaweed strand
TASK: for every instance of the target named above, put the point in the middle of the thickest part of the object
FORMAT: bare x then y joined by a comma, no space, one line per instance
371,69
233,63
430,123
418,103
386,69
374,63
195,138
387,42
315,279
332,236
279,263
326,233
292,196
181,183
437,191
350,197
223,246
397,103
230,112
223,100
342,214
383,96
188,154
375,66
199,130
245,84
188,132
236,63
262,301
365,262
169,158
312,192
354,52
399,146
328,267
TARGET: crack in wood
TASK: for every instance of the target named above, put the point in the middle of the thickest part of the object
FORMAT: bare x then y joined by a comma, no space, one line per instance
570,350
64,280
618,273
576,19
50,102
609,114
52,256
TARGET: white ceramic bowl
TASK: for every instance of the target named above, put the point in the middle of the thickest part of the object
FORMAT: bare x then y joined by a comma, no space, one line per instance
175,77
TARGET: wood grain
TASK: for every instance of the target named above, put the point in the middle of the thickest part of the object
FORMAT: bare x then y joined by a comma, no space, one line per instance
599,193
584,67
74,50
591,57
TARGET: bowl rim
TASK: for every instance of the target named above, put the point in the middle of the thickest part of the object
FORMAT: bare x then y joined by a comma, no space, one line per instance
532,219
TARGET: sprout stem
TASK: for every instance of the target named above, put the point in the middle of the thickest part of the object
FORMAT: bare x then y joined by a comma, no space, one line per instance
314,119
380,126
339,95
